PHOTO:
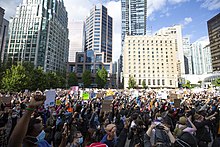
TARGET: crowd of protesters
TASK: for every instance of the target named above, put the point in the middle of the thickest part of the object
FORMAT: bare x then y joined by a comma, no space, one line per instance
131,121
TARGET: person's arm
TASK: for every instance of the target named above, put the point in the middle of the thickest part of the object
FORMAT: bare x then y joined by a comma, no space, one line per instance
192,125
64,137
123,135
20,129
149,131
171,137
211,116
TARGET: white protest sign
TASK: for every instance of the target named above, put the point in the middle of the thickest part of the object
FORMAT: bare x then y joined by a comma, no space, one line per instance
50,98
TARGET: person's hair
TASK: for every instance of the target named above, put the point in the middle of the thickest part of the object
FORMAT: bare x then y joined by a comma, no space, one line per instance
75,133
31,124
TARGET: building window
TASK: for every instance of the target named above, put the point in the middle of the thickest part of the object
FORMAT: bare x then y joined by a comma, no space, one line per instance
139,82
170,82
158,82
153,81
149,82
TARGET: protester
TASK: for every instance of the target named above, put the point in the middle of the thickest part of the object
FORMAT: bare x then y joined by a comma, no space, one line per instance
135,118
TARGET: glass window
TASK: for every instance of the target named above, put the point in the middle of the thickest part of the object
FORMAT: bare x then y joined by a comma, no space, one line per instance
158,82
80,69
90,56
80,58
149,83
153,81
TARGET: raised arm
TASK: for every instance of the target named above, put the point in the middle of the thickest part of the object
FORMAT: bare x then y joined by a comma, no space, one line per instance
20,129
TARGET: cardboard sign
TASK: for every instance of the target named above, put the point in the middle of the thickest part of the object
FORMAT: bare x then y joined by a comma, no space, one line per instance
177,103
50,98
100,95
85,95
106,105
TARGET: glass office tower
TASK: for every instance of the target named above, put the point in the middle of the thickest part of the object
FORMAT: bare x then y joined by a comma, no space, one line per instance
98,28
39,34
134,17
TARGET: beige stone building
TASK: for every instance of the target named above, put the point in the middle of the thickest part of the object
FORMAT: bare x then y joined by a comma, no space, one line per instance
151,58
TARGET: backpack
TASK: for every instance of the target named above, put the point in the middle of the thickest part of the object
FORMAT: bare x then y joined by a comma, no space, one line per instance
186,139
178,131
161,137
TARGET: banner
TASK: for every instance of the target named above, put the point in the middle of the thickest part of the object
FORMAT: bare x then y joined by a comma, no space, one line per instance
50,98
85,95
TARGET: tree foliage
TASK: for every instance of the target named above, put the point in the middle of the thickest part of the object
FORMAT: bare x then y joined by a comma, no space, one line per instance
187,85
216,82
144,84
15,79
87,78
101,77
26,76
131,82
72,79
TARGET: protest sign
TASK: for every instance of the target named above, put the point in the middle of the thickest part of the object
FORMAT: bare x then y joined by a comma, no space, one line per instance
109,93
50,98
106,105
109,98
75,88
161,95
85,95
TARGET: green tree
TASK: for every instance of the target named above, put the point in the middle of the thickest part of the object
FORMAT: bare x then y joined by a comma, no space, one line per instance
187,85
61,78
72,79
101,77
87,78
52,80
131,82
216,82
38,79
15,79
144,84
200,83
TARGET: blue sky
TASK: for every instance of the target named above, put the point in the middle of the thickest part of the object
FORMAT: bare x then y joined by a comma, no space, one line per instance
191,14
195,27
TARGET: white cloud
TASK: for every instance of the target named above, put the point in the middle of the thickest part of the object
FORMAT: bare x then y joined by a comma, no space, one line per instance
158,5
210,4
177,1
203,40
187,20
10,7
